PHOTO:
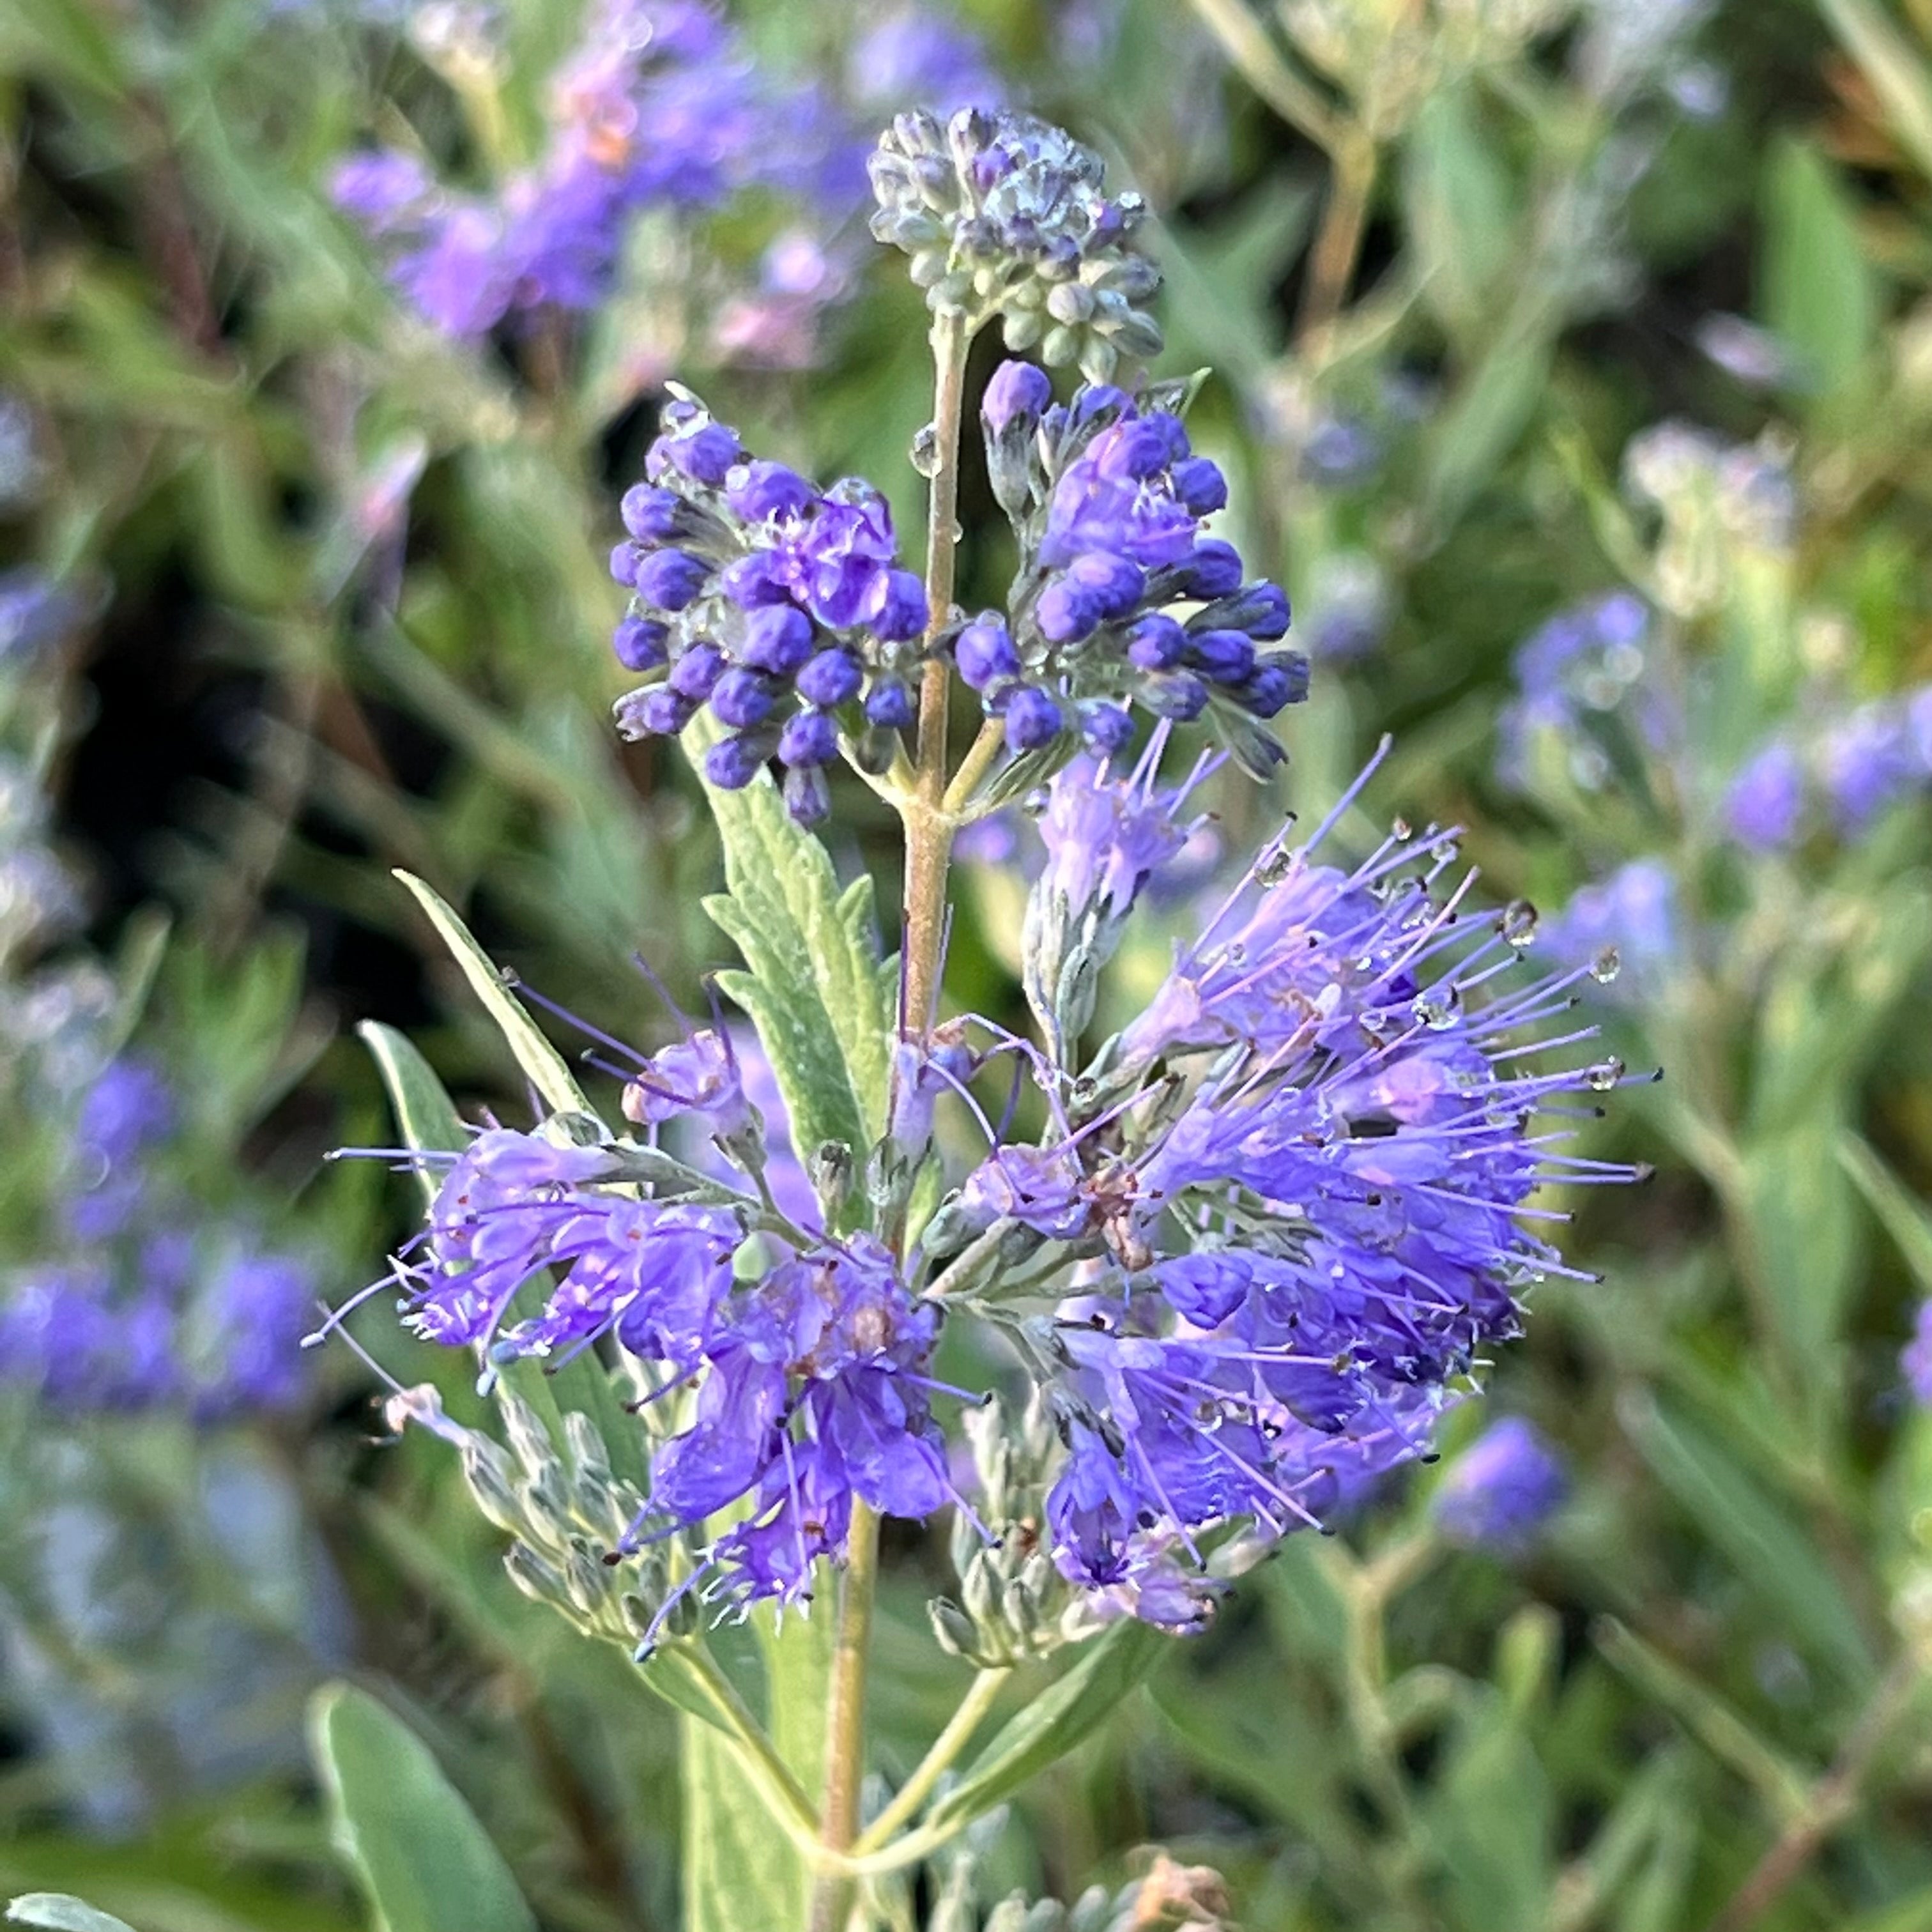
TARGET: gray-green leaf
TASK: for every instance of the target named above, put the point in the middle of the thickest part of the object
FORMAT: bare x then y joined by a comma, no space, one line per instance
1067,1714
543,1066
414,1847
739,1871
59,1912
816,988
425,1115
1818,294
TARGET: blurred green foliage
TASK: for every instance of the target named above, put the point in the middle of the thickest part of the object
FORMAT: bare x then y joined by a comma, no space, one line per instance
1447,260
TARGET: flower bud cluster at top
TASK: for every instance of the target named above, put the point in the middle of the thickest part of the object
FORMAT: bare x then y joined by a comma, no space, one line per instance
780,608
1004,215
1110,503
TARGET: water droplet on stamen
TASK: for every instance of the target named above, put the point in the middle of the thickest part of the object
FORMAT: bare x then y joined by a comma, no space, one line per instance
1605,1074
1401,831
1607,965
1275,867
1518,923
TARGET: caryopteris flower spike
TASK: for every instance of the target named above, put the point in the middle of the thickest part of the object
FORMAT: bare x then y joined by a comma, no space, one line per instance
1122,597
1289,1213
1214,1275
780,609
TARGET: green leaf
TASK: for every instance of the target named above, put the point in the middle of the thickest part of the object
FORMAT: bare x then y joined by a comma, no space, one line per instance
1808,1233
1492,1815
1484,418
1771,1551
1065,1715
413,1844
1817,293
1779,1783
66,39
543,1066
59,1912
740,1870
816,988
797,1655
1460,208
1911,1914
1897,76
1901,1216
425,1115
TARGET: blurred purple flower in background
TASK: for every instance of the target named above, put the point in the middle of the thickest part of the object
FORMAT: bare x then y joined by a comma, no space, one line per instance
147,1300
1766,799
1501,1491
1915,1358
1628,921
1588,673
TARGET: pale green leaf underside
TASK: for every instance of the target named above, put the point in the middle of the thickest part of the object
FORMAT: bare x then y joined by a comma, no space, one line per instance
425,1115
543,1066
58,1912
424,1863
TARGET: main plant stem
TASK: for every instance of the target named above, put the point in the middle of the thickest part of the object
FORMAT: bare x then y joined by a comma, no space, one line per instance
928,845
928,826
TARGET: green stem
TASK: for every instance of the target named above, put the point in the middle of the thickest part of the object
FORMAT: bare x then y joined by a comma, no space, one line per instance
845,1724
928,840
1829,1803
1338,247
928,829
947,1746
972,767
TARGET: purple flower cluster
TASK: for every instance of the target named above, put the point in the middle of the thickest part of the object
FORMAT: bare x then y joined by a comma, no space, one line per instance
799,1386
1110,504
1501,1490
1587,683
782,608
145,1305
1297,1195
1848,769
1274,1228
659,106
1109,833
